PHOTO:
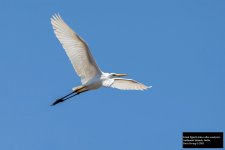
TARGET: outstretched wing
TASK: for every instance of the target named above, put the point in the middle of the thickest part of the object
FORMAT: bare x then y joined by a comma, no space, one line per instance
76,49
128,84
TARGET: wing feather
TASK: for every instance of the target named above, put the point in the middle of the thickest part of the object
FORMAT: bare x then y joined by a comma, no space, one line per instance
128,84
76,49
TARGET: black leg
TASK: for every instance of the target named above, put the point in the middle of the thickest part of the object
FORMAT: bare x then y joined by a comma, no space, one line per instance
71,96
67,97
62,99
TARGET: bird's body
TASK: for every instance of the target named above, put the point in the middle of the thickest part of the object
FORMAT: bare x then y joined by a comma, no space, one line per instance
84,64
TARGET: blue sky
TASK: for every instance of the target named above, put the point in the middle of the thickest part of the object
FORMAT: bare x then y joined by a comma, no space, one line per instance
175,46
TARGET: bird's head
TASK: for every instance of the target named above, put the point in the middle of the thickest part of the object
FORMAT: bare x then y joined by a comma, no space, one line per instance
117,75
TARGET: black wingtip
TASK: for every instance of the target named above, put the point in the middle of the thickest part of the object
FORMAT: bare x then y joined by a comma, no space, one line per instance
57,101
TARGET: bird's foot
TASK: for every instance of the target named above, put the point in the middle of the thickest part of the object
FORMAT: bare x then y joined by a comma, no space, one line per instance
57,101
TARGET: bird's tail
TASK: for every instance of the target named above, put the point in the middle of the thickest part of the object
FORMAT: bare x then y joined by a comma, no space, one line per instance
80,89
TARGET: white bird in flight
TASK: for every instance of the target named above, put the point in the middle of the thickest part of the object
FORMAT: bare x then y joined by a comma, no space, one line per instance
84,64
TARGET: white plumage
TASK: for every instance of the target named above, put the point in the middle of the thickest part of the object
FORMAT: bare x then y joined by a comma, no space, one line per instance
76,49
127,84
84,64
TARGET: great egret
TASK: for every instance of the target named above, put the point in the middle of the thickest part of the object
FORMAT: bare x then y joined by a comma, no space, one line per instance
84,64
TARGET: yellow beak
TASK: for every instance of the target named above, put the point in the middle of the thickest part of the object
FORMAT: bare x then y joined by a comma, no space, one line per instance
120,75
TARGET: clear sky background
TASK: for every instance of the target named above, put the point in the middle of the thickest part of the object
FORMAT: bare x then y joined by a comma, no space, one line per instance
177,46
